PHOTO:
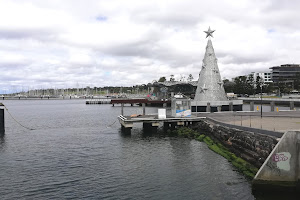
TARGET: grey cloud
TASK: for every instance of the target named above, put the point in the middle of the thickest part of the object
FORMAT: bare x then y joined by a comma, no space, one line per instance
32,33
244,59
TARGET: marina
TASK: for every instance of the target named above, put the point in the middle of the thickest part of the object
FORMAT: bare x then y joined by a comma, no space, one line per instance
86,156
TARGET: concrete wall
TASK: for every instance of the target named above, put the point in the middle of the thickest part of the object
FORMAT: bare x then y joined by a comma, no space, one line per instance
282,167
252,147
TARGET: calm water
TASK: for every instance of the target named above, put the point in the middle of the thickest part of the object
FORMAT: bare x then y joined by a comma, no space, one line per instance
76,151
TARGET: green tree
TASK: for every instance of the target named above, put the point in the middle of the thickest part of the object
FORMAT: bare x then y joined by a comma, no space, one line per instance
250,84
240,85
228,86
258,84
162,79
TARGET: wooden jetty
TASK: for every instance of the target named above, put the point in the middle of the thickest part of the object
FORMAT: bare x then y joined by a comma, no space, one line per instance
140,101
98,101
2,127
153,121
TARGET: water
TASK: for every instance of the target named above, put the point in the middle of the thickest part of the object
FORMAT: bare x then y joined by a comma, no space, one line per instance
77,151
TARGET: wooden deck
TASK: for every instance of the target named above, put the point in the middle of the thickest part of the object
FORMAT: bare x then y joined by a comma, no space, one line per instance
141,101
128,121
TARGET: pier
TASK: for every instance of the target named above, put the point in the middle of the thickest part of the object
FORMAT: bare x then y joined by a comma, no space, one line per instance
98,101
154,121
2,126
140,101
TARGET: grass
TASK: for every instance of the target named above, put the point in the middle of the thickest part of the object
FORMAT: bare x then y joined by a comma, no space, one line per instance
243,166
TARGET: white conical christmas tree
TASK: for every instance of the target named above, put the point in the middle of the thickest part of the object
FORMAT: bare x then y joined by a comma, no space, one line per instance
210,86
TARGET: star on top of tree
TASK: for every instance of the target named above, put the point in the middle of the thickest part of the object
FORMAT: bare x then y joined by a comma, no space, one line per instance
209,32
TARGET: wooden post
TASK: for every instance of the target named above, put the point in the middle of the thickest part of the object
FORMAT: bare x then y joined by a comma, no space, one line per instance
2,128
122,109
166,126
144,108
126,131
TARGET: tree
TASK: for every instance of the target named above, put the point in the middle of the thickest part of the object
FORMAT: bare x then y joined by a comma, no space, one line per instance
258,84
250,84
243,85
162,79
228,86
172,77
190,78
182,78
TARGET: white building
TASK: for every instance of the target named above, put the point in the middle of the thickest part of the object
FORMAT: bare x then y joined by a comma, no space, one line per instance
265,76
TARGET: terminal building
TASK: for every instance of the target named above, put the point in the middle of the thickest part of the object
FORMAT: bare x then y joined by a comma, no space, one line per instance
286,73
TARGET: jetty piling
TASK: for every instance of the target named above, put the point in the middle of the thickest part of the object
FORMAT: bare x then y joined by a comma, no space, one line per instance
2,126
122,109
144,108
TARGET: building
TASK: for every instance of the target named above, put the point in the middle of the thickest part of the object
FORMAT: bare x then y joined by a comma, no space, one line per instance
287,73
265,76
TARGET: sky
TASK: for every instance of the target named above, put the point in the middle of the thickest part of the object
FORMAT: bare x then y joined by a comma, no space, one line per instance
96,43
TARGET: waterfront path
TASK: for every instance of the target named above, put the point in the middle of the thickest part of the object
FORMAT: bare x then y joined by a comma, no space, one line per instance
273,121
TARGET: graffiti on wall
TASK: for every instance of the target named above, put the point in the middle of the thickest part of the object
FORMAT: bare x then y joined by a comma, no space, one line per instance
282,160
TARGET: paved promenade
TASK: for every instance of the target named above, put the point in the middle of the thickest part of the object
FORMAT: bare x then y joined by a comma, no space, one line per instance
273,121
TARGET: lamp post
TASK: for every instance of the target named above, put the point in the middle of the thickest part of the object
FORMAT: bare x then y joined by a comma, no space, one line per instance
261,87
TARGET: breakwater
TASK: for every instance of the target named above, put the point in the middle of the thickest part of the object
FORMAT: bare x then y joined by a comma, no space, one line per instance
250,146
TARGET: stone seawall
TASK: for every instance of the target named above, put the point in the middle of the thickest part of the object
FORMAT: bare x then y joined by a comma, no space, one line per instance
250,146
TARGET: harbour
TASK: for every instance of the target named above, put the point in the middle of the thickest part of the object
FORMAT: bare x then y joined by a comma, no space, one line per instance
91,158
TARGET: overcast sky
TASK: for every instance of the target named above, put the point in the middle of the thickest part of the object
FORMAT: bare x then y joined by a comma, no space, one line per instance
70,43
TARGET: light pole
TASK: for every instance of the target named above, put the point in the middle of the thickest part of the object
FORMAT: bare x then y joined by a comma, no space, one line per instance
261,87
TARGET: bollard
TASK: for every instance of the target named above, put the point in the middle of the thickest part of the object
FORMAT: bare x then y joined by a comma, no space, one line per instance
122,109
208,107
272,106
252,106
219,108
292,105
2,128
144,108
